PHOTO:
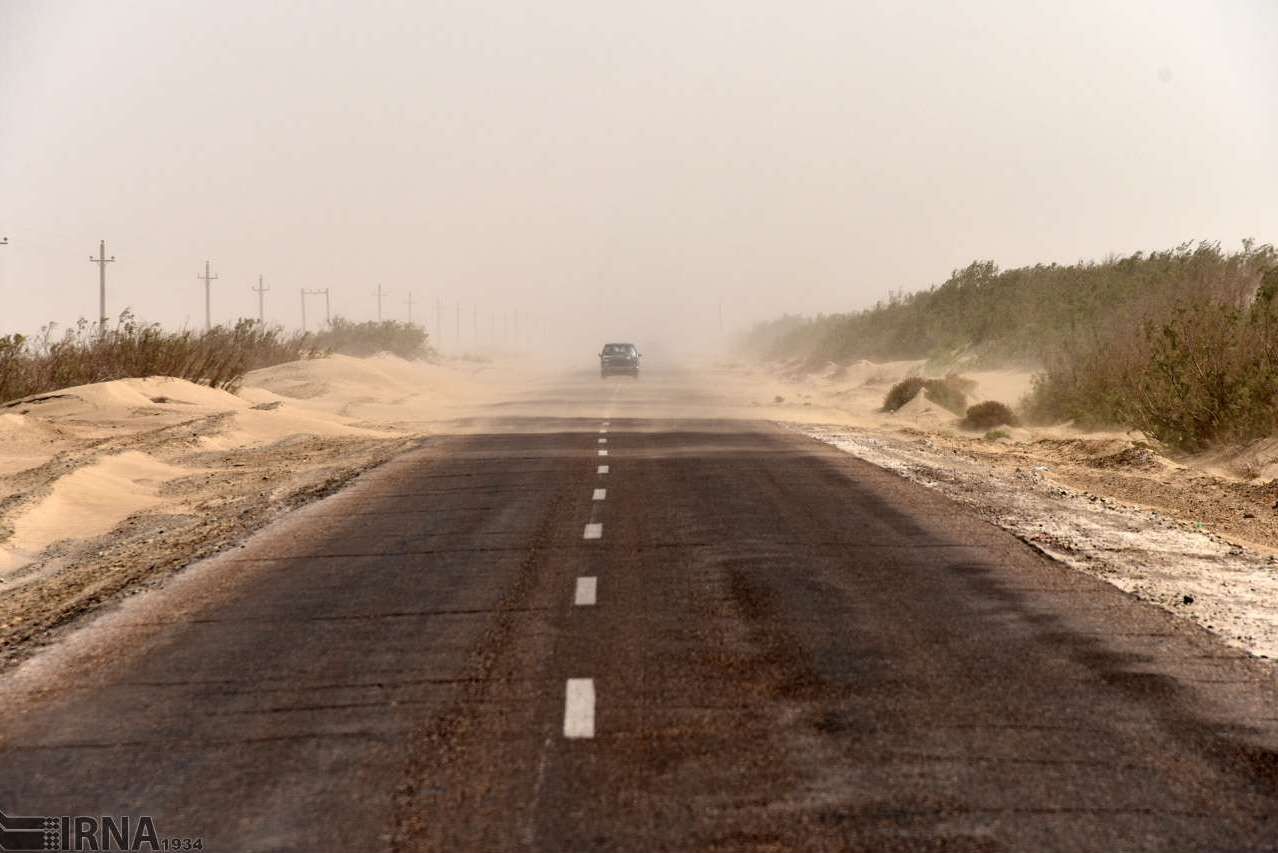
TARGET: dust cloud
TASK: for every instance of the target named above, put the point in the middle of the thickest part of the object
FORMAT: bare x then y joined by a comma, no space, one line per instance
552,175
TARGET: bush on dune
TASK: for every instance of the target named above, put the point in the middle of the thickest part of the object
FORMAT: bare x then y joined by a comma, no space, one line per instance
1180,344
987,416
405,340
217,357
949,393
902,392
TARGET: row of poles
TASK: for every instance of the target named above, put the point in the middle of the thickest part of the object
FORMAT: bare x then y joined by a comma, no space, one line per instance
261,289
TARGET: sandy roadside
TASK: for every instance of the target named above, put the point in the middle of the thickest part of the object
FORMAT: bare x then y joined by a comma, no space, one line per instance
107,489
1195,535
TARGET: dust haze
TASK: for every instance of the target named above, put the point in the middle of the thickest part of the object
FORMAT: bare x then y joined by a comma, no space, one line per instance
668,173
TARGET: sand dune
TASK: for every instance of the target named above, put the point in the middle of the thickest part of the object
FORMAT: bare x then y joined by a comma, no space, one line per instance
103,486
87,502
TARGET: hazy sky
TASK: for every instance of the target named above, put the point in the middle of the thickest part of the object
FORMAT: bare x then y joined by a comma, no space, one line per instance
613,168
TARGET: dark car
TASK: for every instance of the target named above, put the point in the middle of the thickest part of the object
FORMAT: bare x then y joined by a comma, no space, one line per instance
619,358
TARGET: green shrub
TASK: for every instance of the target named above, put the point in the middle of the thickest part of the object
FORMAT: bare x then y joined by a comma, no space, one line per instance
988,415
902,392
996,434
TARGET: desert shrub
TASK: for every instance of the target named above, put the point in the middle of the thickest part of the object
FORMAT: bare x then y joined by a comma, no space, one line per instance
988,415
126,348
1203,372
1210,375
996,434
949,392
1020,315
218,357
902,392
406,340
1181,344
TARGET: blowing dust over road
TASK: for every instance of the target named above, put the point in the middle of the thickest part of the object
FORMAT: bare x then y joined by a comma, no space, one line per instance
554,426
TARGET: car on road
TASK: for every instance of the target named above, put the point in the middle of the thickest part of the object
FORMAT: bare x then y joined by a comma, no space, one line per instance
619,358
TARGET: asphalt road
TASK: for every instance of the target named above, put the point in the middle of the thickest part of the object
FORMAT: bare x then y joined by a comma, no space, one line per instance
763,645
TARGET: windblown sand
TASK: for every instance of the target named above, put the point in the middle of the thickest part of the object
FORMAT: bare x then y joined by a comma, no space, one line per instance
106,488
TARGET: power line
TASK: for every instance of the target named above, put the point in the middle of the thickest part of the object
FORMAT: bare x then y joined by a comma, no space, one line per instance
102,260
260,289
208,307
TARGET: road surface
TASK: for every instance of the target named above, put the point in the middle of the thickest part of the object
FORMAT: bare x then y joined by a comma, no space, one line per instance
645,628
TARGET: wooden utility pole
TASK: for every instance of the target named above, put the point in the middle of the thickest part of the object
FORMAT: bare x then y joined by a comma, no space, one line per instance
261,301
208,304
102,260
410,306
380,292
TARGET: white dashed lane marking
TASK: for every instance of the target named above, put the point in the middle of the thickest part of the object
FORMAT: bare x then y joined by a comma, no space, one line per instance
594,530
599,494
603,441
603,453
603,469
579,708
587,589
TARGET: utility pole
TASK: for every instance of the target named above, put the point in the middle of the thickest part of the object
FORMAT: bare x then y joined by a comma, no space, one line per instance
459,324
328,320
439,330
208,311
410,307
379,302
261,301
102,260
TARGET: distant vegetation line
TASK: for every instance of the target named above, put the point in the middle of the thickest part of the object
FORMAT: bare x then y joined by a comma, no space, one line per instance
1182,344
218,357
